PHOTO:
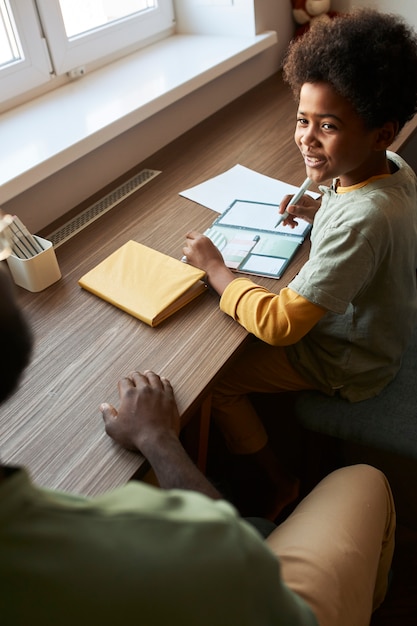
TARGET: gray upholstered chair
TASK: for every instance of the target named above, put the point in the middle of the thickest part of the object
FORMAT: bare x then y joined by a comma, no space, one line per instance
387,422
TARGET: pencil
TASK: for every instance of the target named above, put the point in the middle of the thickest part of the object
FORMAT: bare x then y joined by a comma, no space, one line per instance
24,245
306,184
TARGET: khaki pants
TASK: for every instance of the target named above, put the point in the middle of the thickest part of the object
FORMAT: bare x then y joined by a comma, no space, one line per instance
336,547
260,368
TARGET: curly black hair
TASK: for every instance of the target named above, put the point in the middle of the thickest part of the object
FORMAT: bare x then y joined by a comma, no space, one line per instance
369,58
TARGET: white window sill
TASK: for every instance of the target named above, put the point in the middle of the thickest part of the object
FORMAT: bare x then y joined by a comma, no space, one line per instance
40,137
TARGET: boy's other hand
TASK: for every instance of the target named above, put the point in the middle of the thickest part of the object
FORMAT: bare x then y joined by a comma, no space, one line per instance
201,251
306,209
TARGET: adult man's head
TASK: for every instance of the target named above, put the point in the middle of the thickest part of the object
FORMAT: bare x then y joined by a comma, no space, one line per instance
15,337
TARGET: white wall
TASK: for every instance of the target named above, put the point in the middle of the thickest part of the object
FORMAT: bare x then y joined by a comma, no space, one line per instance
405,8
219,17
235,17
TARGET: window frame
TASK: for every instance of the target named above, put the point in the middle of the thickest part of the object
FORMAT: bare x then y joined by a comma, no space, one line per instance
48,53
68,54
34,68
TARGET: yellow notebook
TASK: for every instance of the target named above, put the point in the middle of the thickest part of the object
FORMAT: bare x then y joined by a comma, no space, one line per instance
144,282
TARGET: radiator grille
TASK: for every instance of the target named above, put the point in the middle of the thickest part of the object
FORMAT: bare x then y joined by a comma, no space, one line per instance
96,210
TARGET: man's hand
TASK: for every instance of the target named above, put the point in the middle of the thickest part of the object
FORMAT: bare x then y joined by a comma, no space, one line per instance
306,208
147,414
148,420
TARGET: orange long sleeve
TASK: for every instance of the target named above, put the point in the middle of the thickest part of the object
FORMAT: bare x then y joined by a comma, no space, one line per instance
278,320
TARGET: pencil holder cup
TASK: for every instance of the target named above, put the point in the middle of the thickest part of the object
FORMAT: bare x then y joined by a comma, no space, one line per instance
38,272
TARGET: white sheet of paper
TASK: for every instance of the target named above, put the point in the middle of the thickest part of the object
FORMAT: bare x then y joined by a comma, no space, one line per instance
238,183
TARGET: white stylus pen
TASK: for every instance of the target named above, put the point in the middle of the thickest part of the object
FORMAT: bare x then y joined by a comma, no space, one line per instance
306,184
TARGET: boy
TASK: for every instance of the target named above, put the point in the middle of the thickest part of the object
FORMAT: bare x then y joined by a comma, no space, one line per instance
342,324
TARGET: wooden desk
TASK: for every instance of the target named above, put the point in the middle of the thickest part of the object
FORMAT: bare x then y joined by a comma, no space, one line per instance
83,345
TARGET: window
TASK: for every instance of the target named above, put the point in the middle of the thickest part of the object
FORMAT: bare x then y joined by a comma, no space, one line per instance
82,31
24,58
80,17
40,39
10,49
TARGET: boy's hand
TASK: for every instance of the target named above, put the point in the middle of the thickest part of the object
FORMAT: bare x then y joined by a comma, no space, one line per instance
147,414
201,252
306,208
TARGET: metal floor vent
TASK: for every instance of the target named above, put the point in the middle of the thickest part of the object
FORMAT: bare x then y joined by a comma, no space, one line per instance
96,210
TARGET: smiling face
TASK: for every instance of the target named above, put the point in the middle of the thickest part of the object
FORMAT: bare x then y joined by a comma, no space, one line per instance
333,139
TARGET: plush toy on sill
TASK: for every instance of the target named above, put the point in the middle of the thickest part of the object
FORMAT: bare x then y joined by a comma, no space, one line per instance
307,11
